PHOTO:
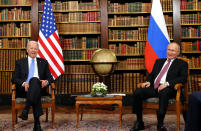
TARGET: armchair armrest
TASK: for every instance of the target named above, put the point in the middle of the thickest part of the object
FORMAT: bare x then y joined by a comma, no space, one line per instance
52,91
13,92
13,87
139,85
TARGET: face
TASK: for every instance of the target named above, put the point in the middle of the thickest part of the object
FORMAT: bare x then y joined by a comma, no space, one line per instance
32,49
173,51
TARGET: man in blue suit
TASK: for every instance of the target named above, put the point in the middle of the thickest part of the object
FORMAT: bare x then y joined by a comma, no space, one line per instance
32,76
193,122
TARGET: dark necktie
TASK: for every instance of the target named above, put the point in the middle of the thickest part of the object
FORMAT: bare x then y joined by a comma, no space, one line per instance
156,84
31,70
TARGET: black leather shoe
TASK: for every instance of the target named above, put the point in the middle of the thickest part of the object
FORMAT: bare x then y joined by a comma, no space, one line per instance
161,128
37,128
24,115
137,126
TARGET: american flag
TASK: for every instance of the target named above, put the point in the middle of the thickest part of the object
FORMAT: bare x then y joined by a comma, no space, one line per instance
49,43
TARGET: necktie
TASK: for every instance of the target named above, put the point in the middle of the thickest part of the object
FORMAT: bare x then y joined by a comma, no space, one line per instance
31,70
161,75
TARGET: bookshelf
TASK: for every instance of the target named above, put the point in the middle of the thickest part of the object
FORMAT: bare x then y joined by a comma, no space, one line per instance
85,25
78,23
127,30
191,39
15,31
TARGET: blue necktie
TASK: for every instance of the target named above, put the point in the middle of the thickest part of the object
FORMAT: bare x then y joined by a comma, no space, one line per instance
31,70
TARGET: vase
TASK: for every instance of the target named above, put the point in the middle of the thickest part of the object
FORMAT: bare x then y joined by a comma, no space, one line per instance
99,94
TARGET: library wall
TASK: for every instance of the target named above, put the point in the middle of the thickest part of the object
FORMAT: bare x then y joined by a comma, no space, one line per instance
85,26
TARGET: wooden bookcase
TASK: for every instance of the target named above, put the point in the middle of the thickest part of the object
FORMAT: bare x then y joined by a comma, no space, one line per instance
84,26
191,39
15,31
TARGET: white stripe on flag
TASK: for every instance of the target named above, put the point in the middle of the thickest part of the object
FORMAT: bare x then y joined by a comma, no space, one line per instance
54,54
56,43
49,60
157,14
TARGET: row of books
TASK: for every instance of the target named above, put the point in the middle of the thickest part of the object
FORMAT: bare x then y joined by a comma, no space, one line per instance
137,6
125,82
133,34
191,18
15,2
70,69
190,5
195,83
14,43
125,49
78,54
195,62
79,28
8,58
129,7
134,20
82,83
71,83
15,14
15,29
72,5
191,46
5,82
138,34
131,64
80,42
75,16
194,31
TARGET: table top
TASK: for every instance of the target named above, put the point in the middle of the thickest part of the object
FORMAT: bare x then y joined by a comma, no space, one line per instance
107,97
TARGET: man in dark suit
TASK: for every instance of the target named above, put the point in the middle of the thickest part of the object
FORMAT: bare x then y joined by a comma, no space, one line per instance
193,122
160,83
32,77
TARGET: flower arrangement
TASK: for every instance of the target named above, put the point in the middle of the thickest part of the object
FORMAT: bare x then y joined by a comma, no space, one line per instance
99,89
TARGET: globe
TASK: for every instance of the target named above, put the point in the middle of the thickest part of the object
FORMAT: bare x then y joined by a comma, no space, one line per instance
103,61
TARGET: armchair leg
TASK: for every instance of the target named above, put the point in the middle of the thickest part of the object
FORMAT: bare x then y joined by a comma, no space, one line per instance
178,116
46,111
53,113
13,117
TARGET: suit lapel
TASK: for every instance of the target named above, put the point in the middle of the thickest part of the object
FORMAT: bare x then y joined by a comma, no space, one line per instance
38,64
26,66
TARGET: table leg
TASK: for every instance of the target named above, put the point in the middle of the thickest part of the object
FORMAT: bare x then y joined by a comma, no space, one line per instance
120,113
77,113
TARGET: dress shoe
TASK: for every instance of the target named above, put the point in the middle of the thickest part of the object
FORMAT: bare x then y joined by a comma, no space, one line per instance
138,126
161,128
37,128
24,115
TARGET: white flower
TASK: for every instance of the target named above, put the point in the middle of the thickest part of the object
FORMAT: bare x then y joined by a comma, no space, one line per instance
99,87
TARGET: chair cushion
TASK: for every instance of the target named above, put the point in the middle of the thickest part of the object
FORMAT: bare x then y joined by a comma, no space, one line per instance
156,100
44,99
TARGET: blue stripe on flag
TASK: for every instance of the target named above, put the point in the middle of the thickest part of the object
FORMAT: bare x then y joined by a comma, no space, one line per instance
157,39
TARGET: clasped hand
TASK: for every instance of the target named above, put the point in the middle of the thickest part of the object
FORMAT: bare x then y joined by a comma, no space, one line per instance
43,84
147,84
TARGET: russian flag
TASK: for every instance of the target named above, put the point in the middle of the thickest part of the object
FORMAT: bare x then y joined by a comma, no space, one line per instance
157,38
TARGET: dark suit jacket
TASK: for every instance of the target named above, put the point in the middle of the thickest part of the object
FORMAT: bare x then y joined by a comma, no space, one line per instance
22,70
177,72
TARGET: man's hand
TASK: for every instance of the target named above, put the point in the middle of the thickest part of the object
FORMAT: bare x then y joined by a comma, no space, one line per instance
161,87
26,86
44,83
146,84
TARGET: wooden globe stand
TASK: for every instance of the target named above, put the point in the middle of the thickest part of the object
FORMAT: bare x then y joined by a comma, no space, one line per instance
105,78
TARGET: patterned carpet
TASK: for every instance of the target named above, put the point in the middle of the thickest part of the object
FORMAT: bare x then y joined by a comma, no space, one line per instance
90,122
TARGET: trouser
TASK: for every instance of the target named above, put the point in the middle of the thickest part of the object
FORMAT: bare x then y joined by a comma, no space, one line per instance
143,93
193,122
34,97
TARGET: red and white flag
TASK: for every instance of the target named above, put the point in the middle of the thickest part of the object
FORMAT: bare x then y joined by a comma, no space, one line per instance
49,43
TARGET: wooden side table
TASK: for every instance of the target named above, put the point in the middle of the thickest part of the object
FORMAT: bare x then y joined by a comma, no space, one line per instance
82,100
